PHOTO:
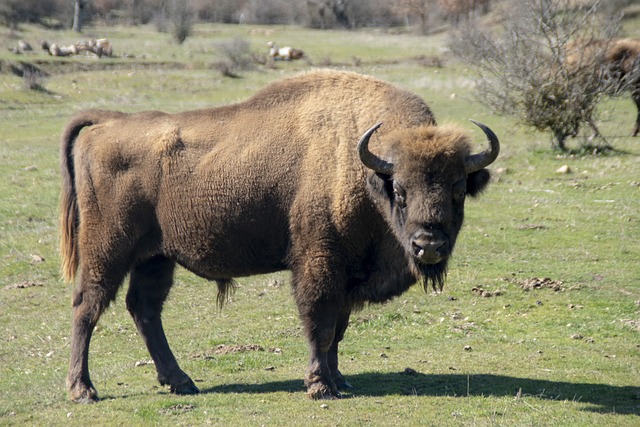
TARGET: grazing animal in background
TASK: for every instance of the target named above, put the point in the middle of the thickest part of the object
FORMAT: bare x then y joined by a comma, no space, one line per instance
292,178
98,47
22,47
616,59
624,58
56,50
284,53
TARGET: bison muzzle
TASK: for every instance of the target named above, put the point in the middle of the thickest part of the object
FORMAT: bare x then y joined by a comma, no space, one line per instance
289,179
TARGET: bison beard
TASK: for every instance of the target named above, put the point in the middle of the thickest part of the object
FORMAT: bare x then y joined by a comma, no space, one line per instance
431,274
283,180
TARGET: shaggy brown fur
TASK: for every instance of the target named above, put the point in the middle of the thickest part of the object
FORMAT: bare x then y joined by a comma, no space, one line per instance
271,183
624,56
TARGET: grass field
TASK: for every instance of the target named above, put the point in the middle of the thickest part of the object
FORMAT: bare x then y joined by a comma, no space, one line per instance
539,323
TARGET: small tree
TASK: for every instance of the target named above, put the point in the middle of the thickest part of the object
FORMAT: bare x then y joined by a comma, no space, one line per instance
546,65
236,56
421,11
182,16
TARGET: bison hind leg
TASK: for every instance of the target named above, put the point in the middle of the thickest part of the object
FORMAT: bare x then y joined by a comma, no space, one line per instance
636,99
150,282
226,288
90,299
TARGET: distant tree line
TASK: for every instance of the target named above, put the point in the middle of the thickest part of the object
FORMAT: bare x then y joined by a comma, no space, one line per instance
425,15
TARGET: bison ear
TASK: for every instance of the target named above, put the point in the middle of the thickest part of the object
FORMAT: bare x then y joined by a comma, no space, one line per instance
477,182
380,183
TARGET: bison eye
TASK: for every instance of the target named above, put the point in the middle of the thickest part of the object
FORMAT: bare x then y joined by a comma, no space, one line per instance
399,195
459,191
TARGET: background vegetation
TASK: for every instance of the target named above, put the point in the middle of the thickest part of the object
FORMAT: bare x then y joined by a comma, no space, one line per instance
538,324
547,64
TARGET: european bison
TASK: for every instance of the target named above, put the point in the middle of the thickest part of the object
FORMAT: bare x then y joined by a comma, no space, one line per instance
618,60
283,180
624,58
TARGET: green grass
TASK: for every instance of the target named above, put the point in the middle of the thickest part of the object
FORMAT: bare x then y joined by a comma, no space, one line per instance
539,357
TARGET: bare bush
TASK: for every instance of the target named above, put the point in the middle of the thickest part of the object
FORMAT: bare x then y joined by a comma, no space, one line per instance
538,68
15,12
236,57
34,80
327,14
270,12
227,11
424,14
182,17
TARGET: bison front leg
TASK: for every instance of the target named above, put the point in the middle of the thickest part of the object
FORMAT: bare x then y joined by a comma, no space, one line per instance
318,379
332,356
319,296
148,289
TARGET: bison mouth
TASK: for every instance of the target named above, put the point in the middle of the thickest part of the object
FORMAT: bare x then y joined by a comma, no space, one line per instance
430,275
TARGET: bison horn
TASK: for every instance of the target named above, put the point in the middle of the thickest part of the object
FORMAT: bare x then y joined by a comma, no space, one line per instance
369,159
475,162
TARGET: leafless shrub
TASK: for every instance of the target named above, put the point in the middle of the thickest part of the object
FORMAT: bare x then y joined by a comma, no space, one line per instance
539,68
34,80
160,21
236,57
434,61
270,12
182,17
326,61
226,70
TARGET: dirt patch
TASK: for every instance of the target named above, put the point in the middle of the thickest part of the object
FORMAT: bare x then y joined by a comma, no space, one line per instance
24,285
478,291
633,324
237,348
531,227
177,409
540,283
230,349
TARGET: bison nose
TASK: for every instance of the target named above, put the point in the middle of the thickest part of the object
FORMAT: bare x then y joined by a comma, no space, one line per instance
429,247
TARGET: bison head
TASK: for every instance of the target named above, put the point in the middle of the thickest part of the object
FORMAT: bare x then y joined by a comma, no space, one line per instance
420,180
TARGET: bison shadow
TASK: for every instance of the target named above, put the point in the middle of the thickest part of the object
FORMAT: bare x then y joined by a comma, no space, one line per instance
602,397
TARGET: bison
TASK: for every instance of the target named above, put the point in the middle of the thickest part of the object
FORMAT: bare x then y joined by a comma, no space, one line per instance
292,178
617,62
623,58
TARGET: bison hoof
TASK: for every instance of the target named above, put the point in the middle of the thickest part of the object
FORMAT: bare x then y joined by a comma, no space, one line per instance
82,393
340,382
319,391
185,388
344,385
86,400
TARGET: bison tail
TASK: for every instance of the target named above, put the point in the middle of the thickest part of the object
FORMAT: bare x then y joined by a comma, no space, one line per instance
69,214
